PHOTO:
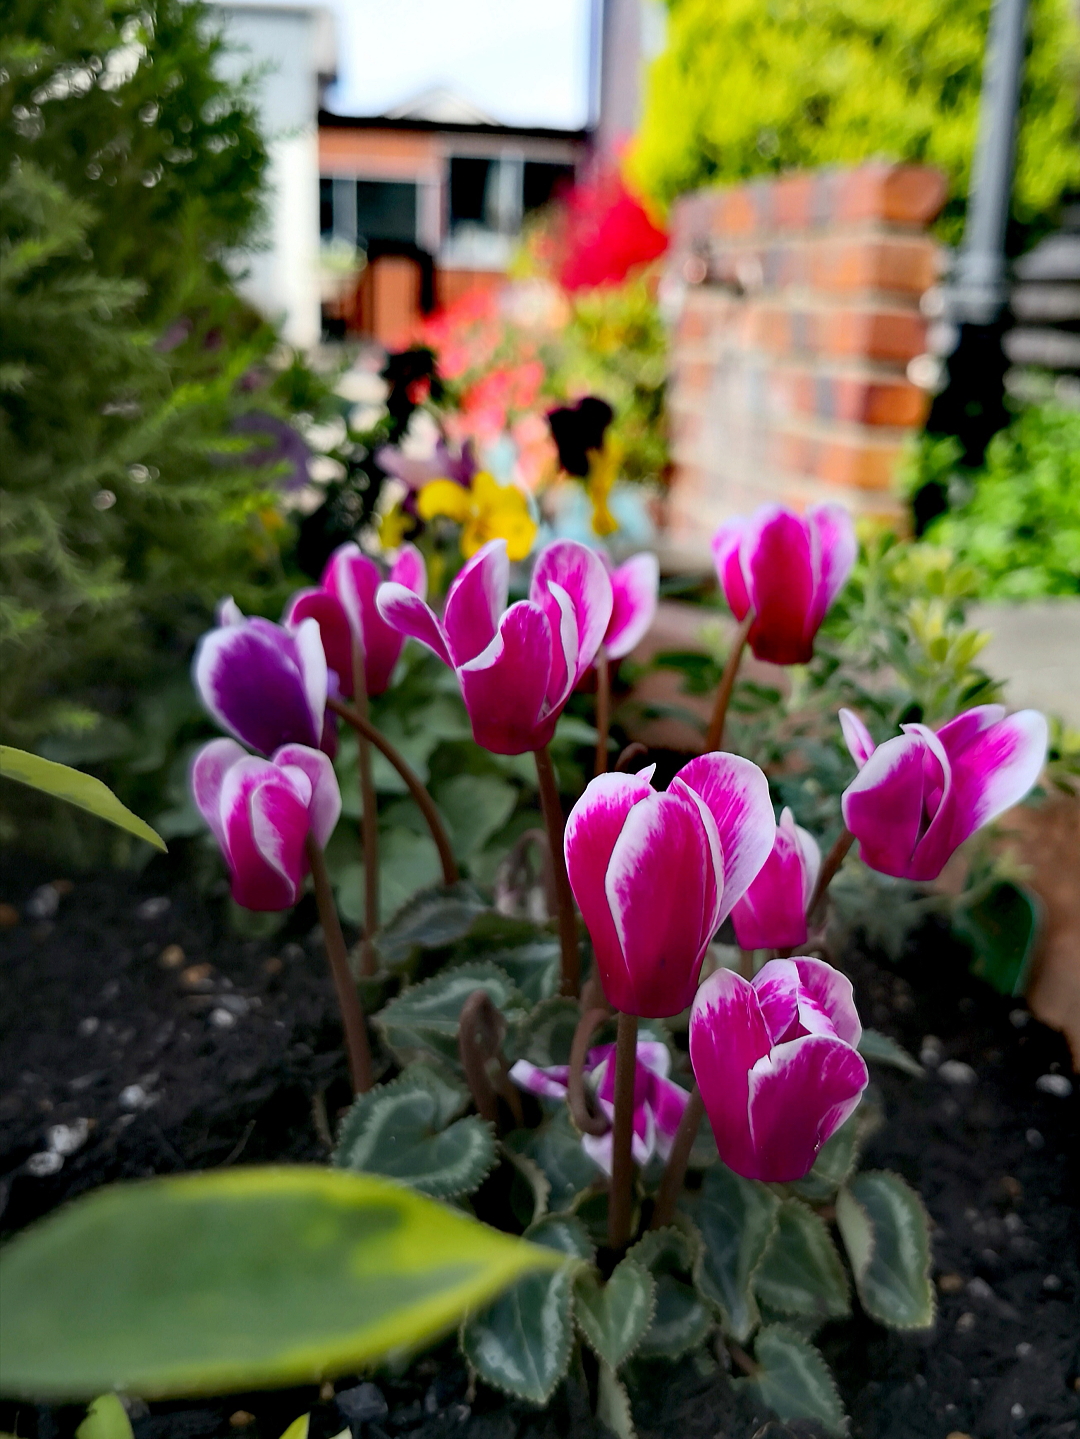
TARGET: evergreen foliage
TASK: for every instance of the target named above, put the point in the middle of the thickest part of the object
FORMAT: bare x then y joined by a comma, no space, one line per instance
747,89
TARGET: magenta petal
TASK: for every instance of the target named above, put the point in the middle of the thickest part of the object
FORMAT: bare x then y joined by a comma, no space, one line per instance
657,887
535,1080
776,553
581,573
324,806
593,826
727,557
505,687
772,912
994,763
328,613
727,1038
410,570
857,737
475,601
562,620
799,1095
266,869
208,771
832,993
737,794
776,985
883,805
251,678
834,548
635,589
409,615
279,827
667,1100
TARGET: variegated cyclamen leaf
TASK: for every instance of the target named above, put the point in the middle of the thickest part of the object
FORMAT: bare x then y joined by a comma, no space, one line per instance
400,1130
736,1218
794,1380
556,1148
545,1034
564,1233
428,920
521,1344
613,1404
885,1231
878,1048
835,1162
614,1317
800,1271
424,1018
680,1323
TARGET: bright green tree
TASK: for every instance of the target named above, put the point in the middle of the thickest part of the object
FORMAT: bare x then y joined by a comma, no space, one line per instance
753,87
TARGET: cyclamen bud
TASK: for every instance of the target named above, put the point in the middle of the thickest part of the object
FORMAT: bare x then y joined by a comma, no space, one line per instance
772,912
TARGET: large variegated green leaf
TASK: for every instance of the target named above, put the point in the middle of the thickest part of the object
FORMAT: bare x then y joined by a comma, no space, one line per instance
521,1344
239,1279
556,1148
800,1271
880,1049
614,1317
106,1419
886,1234
794,1380
545,1034
834,1163
681,1319
403,1130
474,807
424,1018
736,1218
613,1404
428,920
83,790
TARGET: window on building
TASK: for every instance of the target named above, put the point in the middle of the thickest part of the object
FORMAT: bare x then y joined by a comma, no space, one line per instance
468,190
543,182
385,210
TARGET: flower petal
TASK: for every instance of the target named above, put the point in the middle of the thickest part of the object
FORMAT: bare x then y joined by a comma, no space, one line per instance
737,794
475,601
883,805
635,589
772,912
582,574
410,570
409,615
831,991
324,806
799,1095
249,678
266,870
776,557
667,1100
328,612
857,737
535,1080
834,548
505,687
994,762
727,1038
726,544
208,771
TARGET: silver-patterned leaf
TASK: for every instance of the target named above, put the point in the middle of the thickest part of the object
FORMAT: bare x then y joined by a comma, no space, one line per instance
680,1323
424,1018
885,1231
736,1218
564,1233
880,1049
834,1164
614,1317
432,918
530,1189
400,1130
556,1148
545,1034
613,1404
794,1380
800,1271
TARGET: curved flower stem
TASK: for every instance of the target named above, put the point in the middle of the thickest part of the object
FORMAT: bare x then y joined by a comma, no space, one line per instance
551,806
424,802
633,751
369,820
603,709
675,1170
833,860
620,1197
481,1030
746,963
577,1100
352,1014
715,735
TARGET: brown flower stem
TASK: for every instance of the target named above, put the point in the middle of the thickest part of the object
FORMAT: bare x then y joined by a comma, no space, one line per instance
675,1170
369,819
715,735
576,1098
620,1195
424,802
633,751
551,806
352,1014
833,860
746,963
603,709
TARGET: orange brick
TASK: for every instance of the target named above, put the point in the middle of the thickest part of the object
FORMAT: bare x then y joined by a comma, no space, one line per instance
903,194
905,265
873,334
854,465
871,402
739,213
793,201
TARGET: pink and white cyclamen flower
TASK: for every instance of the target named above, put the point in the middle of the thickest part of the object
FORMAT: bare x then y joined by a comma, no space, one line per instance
517,667
261,813
772,912
635,586
656,874
777,1063
658,1101
918,796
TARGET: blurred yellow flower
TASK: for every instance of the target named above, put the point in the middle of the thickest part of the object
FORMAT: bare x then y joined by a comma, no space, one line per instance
603,472
393,527
485,511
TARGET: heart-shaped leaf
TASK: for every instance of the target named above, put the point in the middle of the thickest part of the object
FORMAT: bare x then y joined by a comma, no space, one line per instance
403,1130
545,1034
1001,928
474,807
556,1148
681,1320
800,1271
880,1049
794,1380
736,1218
244,1278
885,1231
429,920
424,1018
615,1316
613,1404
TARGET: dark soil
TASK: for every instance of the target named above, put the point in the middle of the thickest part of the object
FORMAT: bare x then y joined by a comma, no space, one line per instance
176,1068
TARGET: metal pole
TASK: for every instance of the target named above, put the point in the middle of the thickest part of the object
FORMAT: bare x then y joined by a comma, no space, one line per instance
980,288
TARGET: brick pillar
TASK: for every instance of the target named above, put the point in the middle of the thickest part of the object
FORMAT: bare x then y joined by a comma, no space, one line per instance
796,312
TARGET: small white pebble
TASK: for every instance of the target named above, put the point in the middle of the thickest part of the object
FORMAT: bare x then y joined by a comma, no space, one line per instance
222,1019
1023,1350
67,1138
1013,1223
43,1164
955,1071
1052,1283
1018,1018
1017,1411
1034,1139
965,1322
133,1096
154,908
979,1289
930,1053
43,903
1056,1084
89,1026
